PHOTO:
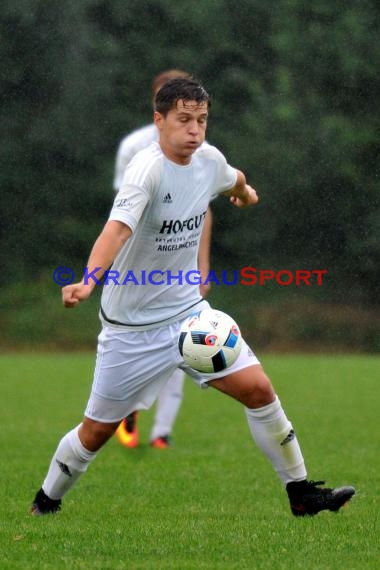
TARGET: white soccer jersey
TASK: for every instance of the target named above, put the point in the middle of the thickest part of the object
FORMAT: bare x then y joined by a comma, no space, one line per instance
131,145
152,278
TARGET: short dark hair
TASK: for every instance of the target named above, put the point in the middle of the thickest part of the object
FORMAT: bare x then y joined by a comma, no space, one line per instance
185,88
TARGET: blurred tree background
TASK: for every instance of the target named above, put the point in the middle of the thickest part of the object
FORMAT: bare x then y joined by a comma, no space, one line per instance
295,91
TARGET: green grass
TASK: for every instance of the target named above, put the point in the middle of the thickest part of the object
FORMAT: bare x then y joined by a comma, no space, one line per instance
212,501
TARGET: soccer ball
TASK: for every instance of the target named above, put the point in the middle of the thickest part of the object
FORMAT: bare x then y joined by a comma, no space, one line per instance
209,341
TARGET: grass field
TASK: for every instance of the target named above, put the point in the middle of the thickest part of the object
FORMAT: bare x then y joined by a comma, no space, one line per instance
212,501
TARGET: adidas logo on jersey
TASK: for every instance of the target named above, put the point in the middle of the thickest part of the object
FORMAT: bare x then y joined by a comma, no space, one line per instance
167,199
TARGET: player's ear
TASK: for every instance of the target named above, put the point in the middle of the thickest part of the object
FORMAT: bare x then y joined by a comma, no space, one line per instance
158,119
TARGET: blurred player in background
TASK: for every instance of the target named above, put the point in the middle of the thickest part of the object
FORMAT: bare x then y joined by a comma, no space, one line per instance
170,398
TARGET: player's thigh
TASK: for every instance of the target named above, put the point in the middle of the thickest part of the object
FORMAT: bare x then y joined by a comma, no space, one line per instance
128,361
250,386
109,410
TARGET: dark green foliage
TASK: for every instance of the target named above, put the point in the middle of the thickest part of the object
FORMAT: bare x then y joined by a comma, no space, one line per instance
294,89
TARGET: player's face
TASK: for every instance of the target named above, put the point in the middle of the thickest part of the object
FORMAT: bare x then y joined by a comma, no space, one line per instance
183,130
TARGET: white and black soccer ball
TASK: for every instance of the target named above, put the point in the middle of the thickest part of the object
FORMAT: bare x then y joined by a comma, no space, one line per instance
209,341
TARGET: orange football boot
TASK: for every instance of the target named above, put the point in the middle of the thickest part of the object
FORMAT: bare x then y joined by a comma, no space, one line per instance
127,433
162,442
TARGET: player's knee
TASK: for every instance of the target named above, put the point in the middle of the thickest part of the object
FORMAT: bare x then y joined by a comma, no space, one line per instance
94,435
261,392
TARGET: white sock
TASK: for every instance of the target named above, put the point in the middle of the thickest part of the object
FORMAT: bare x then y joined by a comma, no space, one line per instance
168,404
275,436
69,462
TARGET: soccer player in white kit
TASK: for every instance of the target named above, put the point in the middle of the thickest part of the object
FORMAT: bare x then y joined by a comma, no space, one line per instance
150,243
170,398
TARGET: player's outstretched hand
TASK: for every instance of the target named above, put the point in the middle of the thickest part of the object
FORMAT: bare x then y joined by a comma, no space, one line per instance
249,198
73,294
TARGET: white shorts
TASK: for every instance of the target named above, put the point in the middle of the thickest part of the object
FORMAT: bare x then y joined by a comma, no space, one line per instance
132,368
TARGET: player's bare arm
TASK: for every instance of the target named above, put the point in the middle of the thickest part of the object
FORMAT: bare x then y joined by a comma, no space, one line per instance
242,194
106,247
